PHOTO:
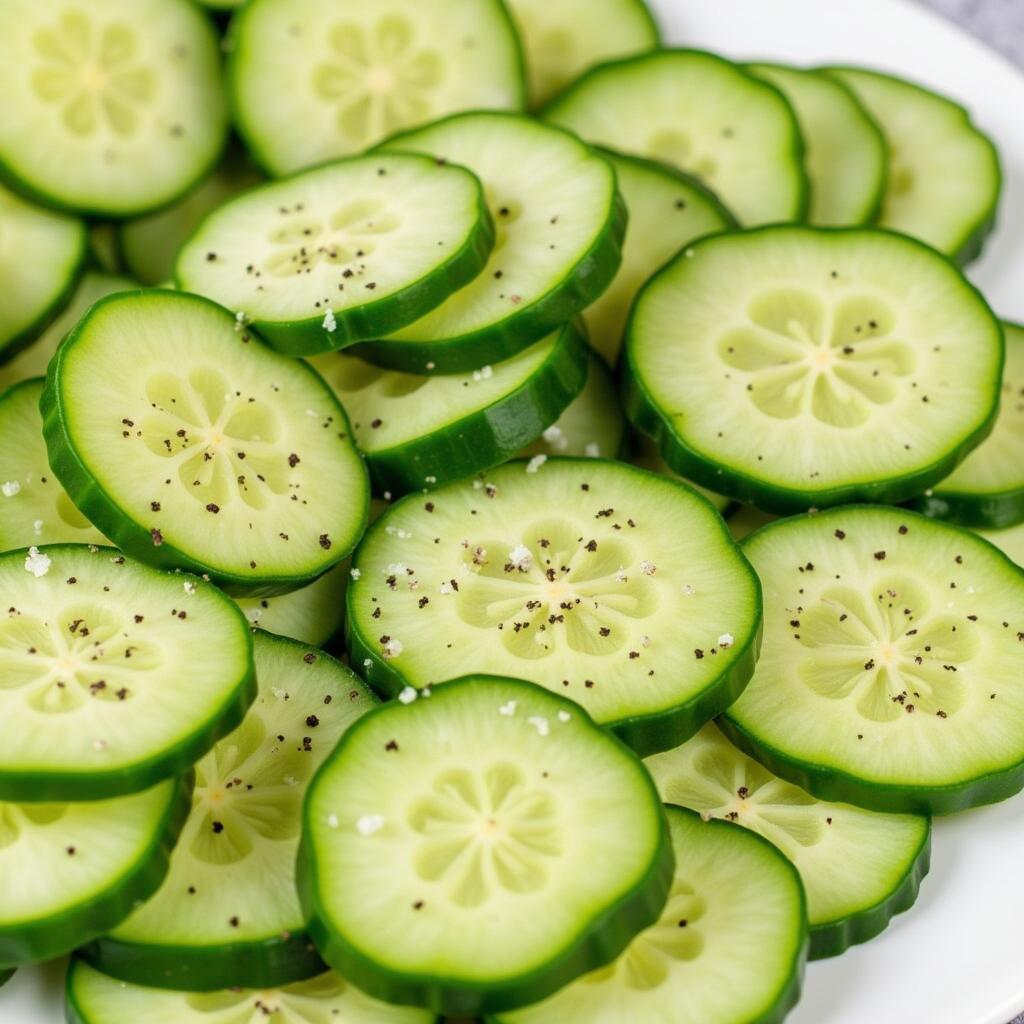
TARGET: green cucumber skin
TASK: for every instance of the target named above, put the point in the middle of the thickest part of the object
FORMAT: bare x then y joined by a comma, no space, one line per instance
775,498
492,435
103,511
976,511
60,933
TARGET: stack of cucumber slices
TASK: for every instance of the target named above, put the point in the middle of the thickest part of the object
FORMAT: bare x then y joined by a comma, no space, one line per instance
399,621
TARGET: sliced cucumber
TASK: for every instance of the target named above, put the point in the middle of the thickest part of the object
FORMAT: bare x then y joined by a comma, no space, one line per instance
1009,541
729,946
448,842
847,159
859,868
616,587
190,444
564,39
73,870
792,367
667,209
421,430
111,108
890,673
311,80
702,114
645,455
341,253
944,176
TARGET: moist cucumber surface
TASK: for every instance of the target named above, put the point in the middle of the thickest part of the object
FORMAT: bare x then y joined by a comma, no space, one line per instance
448,848
1010,541
645,455
702,114
792,367
889,676
310,81
729,945
112,108
190,444
858,868
341,253
612,586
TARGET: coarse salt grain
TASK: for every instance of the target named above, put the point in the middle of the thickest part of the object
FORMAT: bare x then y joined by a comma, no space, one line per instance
330,324
540,723
354,573
535,463
620,574
332,821
10,488
485,373
408,695
592,450
564,716
430,479
254,615
508,709
37,526
392,648
369,824
648,568
726,640
554,437
37,563
367,663
520,558
189,587
446,588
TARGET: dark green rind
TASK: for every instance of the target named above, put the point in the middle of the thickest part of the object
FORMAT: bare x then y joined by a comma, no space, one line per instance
996,511
114,522
599,942
61,932
643,413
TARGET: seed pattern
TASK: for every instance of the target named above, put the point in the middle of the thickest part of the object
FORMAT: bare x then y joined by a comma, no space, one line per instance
316,1001
15,819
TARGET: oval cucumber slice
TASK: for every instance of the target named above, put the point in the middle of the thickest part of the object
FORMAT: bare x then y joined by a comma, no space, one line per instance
794,367
479,802
192,445
700,113
858,868
81,867
890,672
112,109
1009,541
341,253
729,946
311,81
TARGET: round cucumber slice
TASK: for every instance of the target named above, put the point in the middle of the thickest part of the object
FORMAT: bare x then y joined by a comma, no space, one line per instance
115,676
729,946
858,868
847,159
890,672
792,367
343,252
944,176
448,842
421,430
1009,541
94,998
111,108
645,455
192,445
702,114
311,81
559,223
613,586
667,209
228,914
76,869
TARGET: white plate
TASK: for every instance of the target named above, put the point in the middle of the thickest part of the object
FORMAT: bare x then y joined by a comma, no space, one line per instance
958,956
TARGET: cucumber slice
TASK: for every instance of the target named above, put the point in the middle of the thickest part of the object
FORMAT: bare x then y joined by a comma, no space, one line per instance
987,489
154,391
944,176
858,868
616,587
447,854
93,998
311,80
890,673
562,40
792,367
343,252
228,913
421,430
847,159
1009,541
112,108
105,691
76,869
667,209
645,455
704,115
729,946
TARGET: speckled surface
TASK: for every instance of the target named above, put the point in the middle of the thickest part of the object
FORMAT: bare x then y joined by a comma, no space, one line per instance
999,22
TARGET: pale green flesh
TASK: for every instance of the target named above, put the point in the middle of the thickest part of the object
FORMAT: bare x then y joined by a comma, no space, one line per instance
488,812
665,213
740,946
1010,541
232,873
323,1000
849,859
314,81
703,115
646,456
312,615
908,689
845,151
